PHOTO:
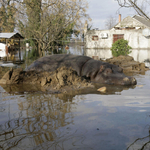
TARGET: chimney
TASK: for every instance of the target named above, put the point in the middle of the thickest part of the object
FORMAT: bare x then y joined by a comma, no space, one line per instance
119,17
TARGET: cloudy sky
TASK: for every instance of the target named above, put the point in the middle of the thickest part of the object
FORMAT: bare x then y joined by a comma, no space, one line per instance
101,10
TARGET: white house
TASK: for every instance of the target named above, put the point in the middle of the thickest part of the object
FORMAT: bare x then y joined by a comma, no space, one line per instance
135,29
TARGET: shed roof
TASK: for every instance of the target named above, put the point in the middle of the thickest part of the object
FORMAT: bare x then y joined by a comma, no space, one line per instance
142,20
11,35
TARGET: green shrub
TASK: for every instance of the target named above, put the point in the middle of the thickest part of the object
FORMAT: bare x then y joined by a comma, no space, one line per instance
120,47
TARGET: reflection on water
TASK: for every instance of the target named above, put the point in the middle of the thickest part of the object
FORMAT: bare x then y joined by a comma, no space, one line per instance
138,55
117,119
33,120
85,119
141,55
27,88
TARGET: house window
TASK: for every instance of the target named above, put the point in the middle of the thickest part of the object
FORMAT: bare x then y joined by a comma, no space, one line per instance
95,38
117,37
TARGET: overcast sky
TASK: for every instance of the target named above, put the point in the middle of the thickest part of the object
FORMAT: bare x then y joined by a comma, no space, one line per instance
101,10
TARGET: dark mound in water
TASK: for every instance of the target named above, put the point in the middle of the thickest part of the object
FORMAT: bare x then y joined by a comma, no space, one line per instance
60,80
128,64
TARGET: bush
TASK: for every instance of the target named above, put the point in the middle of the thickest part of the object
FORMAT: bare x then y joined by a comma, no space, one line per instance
120,47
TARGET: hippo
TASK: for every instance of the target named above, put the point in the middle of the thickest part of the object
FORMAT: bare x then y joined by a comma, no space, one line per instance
96,70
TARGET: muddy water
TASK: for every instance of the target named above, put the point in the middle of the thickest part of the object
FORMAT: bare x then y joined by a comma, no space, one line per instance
116,120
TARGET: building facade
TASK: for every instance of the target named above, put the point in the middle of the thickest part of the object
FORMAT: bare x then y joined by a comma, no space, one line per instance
136,30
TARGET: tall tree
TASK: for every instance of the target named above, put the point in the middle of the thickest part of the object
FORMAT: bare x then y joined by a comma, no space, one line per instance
33,12
2,18
7,16
49,21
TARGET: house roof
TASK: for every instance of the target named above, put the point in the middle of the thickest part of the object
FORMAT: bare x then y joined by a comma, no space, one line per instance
142,20
11,35
135,21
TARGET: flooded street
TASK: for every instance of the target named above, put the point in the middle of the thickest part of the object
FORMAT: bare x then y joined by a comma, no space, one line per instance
87,120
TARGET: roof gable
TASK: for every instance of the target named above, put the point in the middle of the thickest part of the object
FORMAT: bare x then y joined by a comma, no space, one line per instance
125,22
135,21
11,35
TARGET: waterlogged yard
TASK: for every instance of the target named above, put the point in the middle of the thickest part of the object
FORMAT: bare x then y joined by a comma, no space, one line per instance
118,119
86,119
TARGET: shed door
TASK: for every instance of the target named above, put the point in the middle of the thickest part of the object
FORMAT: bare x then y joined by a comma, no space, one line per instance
117,37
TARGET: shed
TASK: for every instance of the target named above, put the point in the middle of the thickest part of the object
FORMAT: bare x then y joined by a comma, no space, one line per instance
7,36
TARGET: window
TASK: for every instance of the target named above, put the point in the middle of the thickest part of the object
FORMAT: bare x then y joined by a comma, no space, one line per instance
95,38
117,37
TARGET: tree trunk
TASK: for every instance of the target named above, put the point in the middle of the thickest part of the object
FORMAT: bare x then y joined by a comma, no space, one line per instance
39,50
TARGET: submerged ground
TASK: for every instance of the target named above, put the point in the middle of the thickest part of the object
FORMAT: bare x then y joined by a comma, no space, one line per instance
77,120
85,119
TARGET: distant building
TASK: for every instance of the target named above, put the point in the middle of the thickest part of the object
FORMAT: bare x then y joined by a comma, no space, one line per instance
5,46
136,30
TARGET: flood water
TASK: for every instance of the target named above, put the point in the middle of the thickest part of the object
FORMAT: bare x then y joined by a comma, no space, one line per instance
80,120
141,55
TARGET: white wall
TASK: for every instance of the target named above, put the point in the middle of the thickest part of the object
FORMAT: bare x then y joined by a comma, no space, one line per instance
101,53
135,38
2,50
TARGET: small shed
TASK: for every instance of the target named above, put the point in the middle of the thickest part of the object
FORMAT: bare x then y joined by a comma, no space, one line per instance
6,36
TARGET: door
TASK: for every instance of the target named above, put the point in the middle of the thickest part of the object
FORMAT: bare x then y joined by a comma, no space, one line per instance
117,37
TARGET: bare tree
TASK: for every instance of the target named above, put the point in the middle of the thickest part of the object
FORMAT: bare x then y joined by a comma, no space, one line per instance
58,18
137,5
110,22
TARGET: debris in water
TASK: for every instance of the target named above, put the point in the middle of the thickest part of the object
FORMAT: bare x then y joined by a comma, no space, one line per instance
139,85
102,89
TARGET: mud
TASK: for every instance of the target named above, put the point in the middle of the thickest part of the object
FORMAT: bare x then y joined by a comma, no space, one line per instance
60,80
3,70
128,64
